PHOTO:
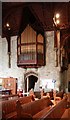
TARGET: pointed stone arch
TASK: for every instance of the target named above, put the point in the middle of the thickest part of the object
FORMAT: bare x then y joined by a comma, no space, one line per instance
27,74
30,78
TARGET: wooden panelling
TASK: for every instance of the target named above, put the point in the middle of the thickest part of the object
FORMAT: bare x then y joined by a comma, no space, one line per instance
10,83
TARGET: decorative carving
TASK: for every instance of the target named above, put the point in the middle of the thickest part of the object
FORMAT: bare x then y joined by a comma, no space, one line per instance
30,48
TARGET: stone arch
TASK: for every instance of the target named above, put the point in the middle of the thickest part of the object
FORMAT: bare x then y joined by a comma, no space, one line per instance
30,78
27,74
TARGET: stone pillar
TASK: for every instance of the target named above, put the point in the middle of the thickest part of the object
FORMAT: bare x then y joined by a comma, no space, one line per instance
64,83
49,71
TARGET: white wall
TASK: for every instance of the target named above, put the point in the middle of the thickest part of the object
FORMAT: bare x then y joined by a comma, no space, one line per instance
14,71
49,71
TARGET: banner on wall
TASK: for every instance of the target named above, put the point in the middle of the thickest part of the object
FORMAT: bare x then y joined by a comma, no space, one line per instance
48,84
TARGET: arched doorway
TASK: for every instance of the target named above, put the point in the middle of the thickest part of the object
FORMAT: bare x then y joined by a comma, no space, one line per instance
30,80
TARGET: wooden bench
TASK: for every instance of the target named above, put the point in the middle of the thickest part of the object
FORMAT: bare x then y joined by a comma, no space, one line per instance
57,111
8,97
60,94
65,114
41,109
29,110
9,107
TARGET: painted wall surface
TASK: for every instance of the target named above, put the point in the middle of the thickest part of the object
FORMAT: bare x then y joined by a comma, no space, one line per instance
50,72
47,72
14,71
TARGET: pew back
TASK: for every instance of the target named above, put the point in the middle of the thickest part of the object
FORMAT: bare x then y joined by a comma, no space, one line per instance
9,106
33,107
58,110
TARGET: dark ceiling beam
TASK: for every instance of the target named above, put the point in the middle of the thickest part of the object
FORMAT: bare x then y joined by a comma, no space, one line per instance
9,9
36,16
12,7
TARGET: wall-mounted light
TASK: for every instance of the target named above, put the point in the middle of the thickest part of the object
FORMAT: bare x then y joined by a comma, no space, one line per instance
56,19
57,15
8,26
57,22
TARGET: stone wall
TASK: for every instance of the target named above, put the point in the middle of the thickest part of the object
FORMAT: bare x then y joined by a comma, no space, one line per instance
50,71
14,71
47,72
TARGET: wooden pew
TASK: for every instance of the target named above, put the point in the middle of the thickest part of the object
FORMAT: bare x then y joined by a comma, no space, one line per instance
66,114
57,111
60,94
31,109
9,107
41,109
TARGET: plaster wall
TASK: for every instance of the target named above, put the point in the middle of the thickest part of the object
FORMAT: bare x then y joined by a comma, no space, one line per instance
47,72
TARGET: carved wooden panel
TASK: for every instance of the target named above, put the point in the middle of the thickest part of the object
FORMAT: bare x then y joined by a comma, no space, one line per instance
10,83
30,48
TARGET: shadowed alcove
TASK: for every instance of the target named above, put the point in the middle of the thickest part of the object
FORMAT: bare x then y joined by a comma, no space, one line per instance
30,80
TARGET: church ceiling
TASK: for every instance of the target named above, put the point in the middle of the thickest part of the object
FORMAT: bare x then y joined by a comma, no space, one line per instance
42,11
39,15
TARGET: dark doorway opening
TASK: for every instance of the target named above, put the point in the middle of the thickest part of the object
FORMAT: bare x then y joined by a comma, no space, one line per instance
30,82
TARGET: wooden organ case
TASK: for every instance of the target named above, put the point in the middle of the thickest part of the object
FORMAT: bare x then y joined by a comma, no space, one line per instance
30,48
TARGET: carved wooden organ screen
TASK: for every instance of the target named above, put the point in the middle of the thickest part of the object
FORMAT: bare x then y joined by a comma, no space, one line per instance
30,48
